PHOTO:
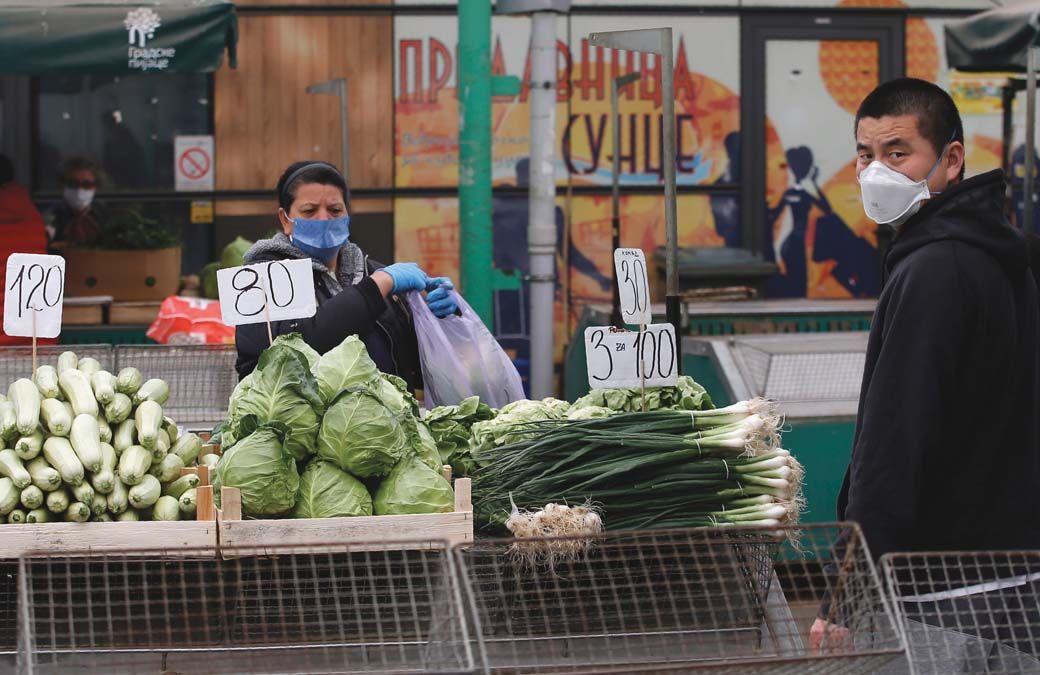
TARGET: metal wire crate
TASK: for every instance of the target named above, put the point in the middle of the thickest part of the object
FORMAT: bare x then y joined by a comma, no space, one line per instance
678,601
333,609
16,361
968,612
201,378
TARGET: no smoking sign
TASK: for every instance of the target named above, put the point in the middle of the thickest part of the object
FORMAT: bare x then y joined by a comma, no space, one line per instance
193,163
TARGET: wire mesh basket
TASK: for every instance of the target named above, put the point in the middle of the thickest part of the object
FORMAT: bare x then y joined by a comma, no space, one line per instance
16,361
201,378
332,609
678,601
8,611
968,612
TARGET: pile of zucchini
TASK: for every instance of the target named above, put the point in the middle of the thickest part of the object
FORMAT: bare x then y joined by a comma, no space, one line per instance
81,444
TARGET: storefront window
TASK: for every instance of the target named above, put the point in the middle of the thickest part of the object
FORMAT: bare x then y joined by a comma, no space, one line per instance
127,124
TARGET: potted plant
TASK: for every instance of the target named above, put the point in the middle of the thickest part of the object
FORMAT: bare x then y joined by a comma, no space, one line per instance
131,258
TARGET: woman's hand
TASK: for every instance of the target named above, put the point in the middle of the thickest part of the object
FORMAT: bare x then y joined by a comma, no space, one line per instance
440,298
404,277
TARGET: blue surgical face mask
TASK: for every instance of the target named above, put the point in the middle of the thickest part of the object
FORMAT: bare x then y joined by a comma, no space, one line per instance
320,239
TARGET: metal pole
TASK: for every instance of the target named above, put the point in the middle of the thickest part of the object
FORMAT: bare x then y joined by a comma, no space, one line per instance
671,300
615,188
541,231
344,142
1028,180
474,92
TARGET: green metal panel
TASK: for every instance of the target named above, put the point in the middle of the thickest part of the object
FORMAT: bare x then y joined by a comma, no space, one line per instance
824,449
132,335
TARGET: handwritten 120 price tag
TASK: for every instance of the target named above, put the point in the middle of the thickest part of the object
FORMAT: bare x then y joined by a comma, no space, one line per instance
625,359
34,295
274,291
633,285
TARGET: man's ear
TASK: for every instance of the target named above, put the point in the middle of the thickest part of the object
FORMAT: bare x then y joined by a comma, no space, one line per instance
954,161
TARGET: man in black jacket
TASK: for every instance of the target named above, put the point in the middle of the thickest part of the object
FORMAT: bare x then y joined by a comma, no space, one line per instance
945,454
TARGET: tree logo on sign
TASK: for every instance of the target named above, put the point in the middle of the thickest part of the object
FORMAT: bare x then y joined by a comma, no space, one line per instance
141,24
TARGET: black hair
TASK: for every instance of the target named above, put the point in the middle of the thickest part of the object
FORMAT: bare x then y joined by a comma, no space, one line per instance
6,170
938,120
308,173
800,160
78,163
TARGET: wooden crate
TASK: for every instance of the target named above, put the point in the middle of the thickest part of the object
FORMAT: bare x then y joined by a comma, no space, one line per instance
237,537
192,537
85,311
133,312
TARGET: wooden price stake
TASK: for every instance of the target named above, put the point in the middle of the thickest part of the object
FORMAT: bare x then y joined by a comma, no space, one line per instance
34,297
634,290
274,291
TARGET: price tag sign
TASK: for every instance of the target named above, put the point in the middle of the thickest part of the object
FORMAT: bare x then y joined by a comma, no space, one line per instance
630,359
634,287
34,295
274,291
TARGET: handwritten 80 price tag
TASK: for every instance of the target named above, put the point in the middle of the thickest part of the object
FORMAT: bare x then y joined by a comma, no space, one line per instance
628,359
273,291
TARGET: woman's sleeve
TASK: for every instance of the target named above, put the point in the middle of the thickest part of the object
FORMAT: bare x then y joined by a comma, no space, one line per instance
352,312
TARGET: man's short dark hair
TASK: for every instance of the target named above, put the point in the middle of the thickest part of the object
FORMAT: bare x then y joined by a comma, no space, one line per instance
78,163
938,120
307,173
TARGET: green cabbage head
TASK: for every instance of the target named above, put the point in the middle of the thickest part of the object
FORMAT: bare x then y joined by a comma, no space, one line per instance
361,435
343,367
328,492
413,487
263,471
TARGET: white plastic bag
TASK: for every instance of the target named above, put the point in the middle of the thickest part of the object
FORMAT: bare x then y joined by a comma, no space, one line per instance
460,358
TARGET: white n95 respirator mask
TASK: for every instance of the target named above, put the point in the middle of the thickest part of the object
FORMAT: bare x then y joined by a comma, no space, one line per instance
889,197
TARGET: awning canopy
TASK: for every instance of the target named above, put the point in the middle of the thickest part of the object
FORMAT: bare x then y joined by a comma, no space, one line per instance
52,37
997,40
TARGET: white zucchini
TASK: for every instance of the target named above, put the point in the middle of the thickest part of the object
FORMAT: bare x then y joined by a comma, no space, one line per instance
145,493
83,493
166,508
171,430
98,506
29,447
16,517
189,502
210,459
187,448
9,496
44,476
104,480
134,464
169,469
128,516
40,515
153,390
46,379
104,385
124,437
26,399
78,512
86,441
58,501
67,361
128,381
147,419
61,456
8,421
104,429
55,417
182,485
119,409
32,497
76,388
118,499
13,468
104,517
88,366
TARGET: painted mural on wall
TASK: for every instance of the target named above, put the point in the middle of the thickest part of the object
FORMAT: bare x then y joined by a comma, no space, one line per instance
814,229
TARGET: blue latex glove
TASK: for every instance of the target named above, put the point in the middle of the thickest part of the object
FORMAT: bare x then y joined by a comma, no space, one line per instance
407,277
441,299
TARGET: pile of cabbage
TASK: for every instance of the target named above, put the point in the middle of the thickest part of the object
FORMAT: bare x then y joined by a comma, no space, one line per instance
311,436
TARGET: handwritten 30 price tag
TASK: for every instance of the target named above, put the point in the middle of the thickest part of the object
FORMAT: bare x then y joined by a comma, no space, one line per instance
35,292
634,287
275,291
628,358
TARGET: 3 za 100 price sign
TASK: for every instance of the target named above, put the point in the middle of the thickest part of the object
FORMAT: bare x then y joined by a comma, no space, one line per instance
630,359
274,291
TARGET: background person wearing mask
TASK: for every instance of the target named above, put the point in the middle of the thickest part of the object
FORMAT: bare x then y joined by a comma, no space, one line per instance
356,296
77,217
946,453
